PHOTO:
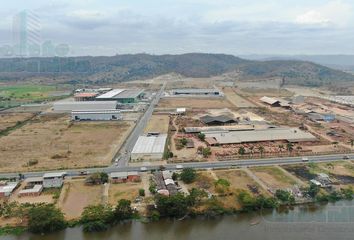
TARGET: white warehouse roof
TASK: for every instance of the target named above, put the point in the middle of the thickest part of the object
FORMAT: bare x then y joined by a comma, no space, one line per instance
150,144
111,93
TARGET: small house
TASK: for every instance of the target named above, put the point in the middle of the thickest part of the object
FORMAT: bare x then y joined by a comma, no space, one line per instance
53,180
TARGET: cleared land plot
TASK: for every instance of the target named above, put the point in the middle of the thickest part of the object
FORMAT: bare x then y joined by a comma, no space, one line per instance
305,172
158,123
127,191
75,196
341,172
11,119
273,177
238,179
205,181
54,142
237,100
188,102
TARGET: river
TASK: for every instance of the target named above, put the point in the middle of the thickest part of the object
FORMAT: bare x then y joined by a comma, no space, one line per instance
325,222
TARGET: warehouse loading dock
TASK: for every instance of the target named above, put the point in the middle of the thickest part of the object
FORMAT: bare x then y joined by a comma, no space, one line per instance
103,115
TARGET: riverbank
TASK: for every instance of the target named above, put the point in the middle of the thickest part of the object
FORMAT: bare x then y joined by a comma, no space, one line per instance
310,221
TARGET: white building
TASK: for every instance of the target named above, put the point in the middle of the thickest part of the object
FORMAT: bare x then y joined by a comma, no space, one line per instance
103,115
53,180
67,106
6,190
149,147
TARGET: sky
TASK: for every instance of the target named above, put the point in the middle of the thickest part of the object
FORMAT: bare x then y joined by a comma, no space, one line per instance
238,27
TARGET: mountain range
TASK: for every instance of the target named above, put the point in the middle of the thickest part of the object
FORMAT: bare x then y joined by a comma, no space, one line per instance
121,68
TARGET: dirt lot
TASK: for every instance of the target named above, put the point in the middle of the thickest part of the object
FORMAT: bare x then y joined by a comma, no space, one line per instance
10,119
238,179
127,191
55,142
188,102
237,100
75,196
273,177
158,123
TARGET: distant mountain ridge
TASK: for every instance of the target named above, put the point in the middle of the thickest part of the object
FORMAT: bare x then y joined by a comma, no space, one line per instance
128,67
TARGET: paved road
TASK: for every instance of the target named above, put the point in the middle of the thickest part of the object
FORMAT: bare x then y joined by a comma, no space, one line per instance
200,165
123,157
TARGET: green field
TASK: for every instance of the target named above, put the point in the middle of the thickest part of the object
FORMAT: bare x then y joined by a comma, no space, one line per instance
19,94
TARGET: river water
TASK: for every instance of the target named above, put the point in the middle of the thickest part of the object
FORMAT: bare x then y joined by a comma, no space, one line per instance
325,222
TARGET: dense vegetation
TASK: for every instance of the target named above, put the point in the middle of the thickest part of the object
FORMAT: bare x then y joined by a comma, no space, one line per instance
139,66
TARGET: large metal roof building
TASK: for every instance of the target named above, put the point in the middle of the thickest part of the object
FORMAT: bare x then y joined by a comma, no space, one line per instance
272,134
67,106
149,147
122,95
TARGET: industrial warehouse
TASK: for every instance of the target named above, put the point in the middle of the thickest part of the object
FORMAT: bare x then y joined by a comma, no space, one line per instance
68,106
102,115
197,92
272,134
149,147
122,95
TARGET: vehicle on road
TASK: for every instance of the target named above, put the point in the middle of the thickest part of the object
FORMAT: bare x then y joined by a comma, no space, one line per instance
179,166
305,159
143,169
83,173
345,157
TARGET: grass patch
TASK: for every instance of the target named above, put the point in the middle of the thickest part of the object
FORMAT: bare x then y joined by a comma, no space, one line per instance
8,230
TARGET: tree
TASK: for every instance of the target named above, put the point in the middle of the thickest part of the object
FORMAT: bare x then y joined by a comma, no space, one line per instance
289,147
241,151
206,152
97,218
175,176
188,175
196,195
97,178
173,206
261,150
45,218
285,196
141,192
123,211
313,190
184,141
201,136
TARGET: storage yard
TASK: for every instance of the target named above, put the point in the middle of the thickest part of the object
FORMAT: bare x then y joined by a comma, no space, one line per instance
52,141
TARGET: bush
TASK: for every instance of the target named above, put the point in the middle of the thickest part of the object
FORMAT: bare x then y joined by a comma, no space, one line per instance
183,141
141,192
188,175
97,218
32,162
45,218
206,152
123,211
201,136
285,196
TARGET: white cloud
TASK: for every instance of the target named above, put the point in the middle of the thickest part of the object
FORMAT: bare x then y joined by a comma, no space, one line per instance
312,17
335,12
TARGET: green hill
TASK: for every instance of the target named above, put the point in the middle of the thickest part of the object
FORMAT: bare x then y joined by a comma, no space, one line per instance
128,67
